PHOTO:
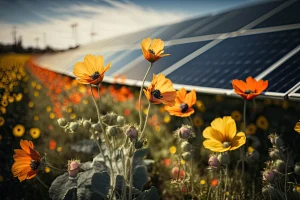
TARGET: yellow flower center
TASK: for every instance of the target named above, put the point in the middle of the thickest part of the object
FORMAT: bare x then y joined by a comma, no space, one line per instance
95,75
156,94
34,164
226,144
151,51
184,107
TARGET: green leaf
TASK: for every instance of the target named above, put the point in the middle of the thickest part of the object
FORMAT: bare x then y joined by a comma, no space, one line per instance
61,186
140,177
71,194
101,183
150,194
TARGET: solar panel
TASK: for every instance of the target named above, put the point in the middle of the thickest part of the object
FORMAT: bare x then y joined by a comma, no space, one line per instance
289,15
177,52
236,58
124,58
285,76
232,21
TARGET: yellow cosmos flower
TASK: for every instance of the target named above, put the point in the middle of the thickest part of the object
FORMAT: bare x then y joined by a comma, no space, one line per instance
251,129
236,115
91,70
161,91
297,127
221,135
35,133
19,97
18,130
153,50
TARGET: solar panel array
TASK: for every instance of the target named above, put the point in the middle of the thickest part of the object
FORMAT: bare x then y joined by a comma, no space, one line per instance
207,53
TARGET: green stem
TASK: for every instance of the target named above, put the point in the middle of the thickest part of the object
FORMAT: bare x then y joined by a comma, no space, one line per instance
143,131
130,178
46,186
52,167
97,108
140,96
226,180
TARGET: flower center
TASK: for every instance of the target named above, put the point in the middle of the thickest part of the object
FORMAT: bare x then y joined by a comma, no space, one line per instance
184,107
151,51
249,91
156,94
226,144
95,75
34,164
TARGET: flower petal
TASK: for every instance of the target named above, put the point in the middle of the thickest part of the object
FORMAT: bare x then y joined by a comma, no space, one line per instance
238,141
26,145
212,134
214,146
229,128
297,127
191,98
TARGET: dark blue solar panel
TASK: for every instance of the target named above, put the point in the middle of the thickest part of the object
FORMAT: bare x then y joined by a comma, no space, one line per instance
124,60
236,58
285,76
289,15
173,29
233,21
177,53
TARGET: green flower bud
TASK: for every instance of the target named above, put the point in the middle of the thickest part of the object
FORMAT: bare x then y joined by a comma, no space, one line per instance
73,126
62,122
139,144
223,158
96,127
213,161
87,124
185,132
269,176
269,192
120,120
186,147
280,165
187,156
274,154
297,168
131,132
112,131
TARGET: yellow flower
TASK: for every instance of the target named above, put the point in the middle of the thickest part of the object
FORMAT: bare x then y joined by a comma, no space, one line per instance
262,122
161,91
200,105
172,149
221,135
197,121
2,121
19,97
35,133
297,127
91,70
18,130
236,115
153,50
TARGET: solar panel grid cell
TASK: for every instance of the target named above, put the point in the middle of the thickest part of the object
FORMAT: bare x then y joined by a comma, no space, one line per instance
236,58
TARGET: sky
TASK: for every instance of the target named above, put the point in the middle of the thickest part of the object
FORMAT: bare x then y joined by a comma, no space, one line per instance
44,22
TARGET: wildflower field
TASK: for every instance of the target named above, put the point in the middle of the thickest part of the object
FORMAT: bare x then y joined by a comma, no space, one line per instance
80,138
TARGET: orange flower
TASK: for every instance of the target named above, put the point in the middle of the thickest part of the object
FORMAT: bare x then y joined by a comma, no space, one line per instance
91,70
27,161
249,89
183,103
161,90
153,50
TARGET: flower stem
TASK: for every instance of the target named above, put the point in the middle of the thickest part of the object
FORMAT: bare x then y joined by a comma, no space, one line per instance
130,178
46,186
97,108
140,96
143,131
226,180
243,147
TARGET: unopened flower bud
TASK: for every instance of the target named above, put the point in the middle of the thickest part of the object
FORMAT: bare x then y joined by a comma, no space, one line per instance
274,154
269,192
87,124
297,168
96,127
187,156
280,165
276,140
186,147
62,122
120,120
131,132
73,126
279,142
185,132
111,130
73,167
213,161
223,158
269,176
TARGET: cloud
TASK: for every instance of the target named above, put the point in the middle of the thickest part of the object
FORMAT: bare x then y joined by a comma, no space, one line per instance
106,21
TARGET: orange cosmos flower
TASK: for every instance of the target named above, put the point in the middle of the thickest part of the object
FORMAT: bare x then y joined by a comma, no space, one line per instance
153,50
249,89
27,161
91,70
161,91
183,103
